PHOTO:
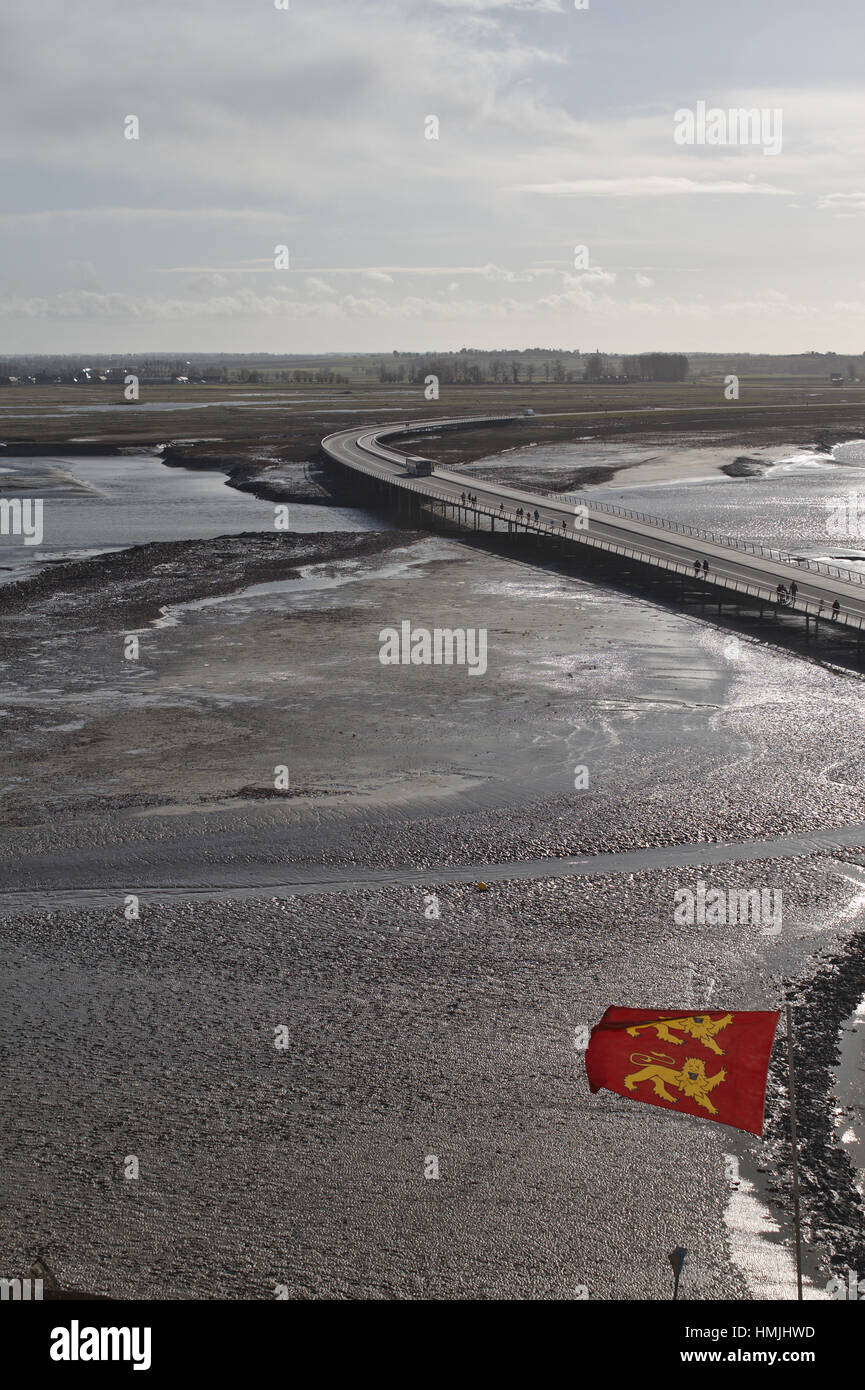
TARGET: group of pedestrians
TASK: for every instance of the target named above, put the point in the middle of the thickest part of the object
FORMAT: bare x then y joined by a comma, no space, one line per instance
788,596
835,610
785,596
524,514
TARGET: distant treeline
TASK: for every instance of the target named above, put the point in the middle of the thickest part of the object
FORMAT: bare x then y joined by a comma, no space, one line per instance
656,366
463,369
535,366
475,369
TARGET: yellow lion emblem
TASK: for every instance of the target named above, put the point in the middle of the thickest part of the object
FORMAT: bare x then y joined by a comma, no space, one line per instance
700,1027
692,1080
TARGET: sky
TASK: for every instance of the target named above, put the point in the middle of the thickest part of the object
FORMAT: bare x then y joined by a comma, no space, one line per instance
308,128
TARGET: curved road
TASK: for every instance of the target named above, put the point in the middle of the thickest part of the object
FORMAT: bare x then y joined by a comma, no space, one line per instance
753,571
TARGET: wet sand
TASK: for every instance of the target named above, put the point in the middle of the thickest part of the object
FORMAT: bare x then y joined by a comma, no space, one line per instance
643,462
408,1036
154,1036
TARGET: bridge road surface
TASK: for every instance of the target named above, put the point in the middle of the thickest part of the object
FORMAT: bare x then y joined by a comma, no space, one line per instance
648,539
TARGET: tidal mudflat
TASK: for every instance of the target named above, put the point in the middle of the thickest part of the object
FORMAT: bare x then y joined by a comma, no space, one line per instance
303,1166
425,1018
411,1036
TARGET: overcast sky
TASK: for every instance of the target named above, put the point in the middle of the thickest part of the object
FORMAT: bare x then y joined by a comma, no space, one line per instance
261,127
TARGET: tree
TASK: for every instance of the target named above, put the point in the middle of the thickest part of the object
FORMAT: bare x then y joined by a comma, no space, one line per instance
658,366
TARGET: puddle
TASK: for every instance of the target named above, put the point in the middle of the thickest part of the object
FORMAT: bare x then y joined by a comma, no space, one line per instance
768,1266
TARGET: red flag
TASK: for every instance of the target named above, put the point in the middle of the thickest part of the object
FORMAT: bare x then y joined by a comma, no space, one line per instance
709,1064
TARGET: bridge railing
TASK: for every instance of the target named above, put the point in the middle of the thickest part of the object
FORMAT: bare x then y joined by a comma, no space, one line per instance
804,607
808,607
683,529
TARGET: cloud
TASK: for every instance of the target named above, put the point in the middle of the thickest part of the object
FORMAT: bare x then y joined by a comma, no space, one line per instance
593,276
83,273
378,274
144,216
317,286
294,101
283,303
511,277
845,204
201,284
535,6
647,186
261,127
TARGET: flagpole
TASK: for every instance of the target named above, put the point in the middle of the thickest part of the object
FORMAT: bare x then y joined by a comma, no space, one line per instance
794,1144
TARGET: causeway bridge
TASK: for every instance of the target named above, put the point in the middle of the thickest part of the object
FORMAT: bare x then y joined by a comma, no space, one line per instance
751,572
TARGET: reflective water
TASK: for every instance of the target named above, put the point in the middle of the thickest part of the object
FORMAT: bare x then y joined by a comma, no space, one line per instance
804,500
96,504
